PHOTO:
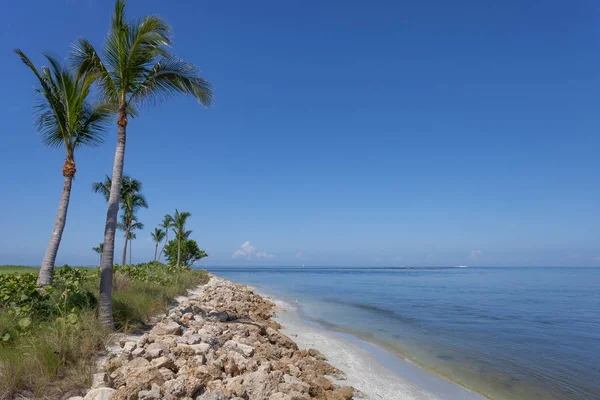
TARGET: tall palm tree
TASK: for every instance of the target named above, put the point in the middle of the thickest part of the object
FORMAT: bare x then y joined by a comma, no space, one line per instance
166,225
179,221
158,235
136,69
129,220
130,238
99,250
64,118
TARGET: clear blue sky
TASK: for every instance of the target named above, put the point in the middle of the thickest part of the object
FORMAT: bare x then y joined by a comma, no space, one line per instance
343,133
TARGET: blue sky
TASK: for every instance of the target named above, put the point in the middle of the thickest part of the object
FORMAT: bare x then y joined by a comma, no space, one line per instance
342,133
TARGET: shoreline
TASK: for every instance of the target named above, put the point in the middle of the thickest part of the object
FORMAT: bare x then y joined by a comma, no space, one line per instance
369,367
227,341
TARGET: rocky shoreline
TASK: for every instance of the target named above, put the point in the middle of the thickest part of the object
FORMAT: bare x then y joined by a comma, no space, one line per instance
217,343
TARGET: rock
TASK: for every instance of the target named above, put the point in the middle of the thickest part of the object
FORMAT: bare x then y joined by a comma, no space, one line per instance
207,337
75,398
293,384
156,350
163,362
99,380
138,379
323,382
194,339
170,328
138,362
114,362
137,352
167,374
343,393
152,394
317,354
244,349
194,353
215,315
294,370
143,340
129,346
201,348
216,395
99,394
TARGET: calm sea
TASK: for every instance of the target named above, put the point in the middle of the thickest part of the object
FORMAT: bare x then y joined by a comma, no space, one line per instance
508,333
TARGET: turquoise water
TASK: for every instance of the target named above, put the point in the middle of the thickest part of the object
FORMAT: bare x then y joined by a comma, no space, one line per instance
508,333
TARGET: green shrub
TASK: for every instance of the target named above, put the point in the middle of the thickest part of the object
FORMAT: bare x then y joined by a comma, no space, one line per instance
190,252
49,337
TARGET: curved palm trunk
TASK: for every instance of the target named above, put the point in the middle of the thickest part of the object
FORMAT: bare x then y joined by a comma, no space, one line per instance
106,277
178,250
124,259
155,250
47,269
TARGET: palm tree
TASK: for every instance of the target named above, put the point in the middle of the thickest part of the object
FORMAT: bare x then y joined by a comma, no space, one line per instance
158,235
128,185
130,238
166,225
129,220
136,69
99,250
179,221
64,118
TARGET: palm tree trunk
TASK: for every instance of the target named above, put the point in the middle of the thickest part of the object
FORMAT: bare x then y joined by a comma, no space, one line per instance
105,314
164,244
130,252
155,250
47,269
124,259
178,250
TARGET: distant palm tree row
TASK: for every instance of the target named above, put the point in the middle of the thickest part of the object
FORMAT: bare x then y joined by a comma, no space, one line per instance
135,68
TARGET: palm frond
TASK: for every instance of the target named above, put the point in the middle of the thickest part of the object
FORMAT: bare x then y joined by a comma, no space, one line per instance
64,117
103,187
158,235
148,38
88,63
169,76
136,226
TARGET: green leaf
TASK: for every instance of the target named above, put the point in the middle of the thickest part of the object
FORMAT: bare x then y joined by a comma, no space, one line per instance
72,318
6,337
25,322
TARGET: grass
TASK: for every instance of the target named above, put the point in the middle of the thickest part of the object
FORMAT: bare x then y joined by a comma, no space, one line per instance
17,269
53,357
23,269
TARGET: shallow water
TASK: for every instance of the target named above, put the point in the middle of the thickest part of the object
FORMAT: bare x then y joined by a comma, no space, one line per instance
525,333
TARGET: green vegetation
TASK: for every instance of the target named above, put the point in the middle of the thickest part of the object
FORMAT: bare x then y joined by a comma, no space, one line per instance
48,336
187,253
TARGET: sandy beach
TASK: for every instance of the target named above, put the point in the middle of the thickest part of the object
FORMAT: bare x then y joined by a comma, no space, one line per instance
373,371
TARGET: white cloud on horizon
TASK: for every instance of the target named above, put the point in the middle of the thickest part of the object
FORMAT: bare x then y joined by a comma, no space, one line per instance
248,252
475,254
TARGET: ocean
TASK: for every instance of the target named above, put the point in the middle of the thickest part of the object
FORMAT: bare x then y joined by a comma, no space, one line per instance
507,333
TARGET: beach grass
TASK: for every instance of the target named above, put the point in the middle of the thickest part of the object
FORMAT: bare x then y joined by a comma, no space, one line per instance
18,269
52,356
